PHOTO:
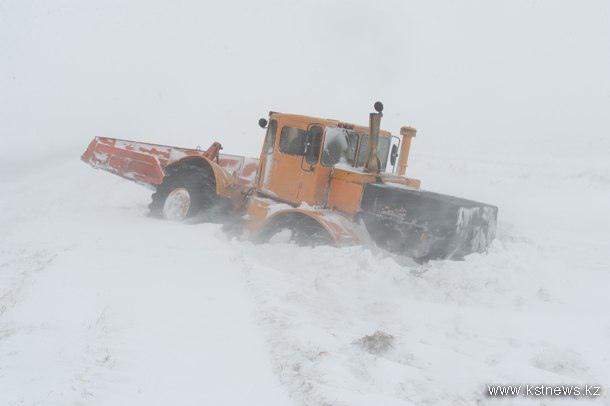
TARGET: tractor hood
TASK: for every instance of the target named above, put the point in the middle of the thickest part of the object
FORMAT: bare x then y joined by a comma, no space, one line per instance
426,225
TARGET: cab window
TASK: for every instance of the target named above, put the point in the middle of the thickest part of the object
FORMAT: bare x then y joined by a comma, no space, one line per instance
293,141
339,146
314,141
383,149
270,137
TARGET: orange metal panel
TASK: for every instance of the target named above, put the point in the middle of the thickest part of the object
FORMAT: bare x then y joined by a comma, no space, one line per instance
262,210
345,196
346,190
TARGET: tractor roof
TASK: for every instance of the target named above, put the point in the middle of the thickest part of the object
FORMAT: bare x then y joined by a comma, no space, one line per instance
327,122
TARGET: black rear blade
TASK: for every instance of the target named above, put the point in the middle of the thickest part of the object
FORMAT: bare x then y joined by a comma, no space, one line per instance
426,225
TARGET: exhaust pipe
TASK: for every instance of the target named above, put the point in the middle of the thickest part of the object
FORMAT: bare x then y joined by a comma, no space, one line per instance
407,136
372,163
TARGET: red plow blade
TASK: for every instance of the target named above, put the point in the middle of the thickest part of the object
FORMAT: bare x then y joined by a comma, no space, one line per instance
137,161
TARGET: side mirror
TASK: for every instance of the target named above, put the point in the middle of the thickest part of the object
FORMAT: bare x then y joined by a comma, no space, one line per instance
394,154
262,123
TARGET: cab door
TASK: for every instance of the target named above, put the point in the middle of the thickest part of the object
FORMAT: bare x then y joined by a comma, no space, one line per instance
314,177
286,163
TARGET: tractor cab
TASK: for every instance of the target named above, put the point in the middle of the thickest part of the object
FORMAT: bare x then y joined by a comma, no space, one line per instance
301,153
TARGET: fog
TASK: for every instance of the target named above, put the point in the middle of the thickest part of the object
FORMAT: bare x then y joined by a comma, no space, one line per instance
511,100
477,78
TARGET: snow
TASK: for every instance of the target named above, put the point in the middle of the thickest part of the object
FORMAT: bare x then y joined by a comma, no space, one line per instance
345,166
482,237
268,162
102,305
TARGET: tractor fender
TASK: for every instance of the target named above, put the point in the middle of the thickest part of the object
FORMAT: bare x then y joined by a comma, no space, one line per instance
342,230
223,181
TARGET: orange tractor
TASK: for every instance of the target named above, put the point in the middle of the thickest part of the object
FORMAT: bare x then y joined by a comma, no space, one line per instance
316,181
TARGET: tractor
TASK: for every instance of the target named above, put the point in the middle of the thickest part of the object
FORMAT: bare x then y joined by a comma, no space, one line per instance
316,181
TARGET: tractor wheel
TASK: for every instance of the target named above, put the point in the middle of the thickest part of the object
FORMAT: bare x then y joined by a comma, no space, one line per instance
297,229
185,192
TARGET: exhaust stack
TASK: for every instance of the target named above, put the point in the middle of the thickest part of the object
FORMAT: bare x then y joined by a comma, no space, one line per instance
372,163
407,136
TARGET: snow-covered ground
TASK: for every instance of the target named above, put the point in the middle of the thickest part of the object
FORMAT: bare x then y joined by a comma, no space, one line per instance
102,305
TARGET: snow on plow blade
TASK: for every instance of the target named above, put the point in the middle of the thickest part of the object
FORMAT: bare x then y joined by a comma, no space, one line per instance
132,160
138,161
426,225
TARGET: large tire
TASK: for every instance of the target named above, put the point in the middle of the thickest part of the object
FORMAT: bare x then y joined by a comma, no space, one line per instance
190,186
304,231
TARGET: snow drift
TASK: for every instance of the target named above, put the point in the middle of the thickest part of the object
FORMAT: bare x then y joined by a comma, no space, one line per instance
101,304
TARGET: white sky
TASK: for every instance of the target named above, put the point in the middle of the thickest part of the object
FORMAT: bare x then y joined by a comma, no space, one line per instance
500,78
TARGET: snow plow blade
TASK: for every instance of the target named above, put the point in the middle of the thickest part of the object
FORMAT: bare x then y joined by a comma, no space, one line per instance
140,162
426,225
